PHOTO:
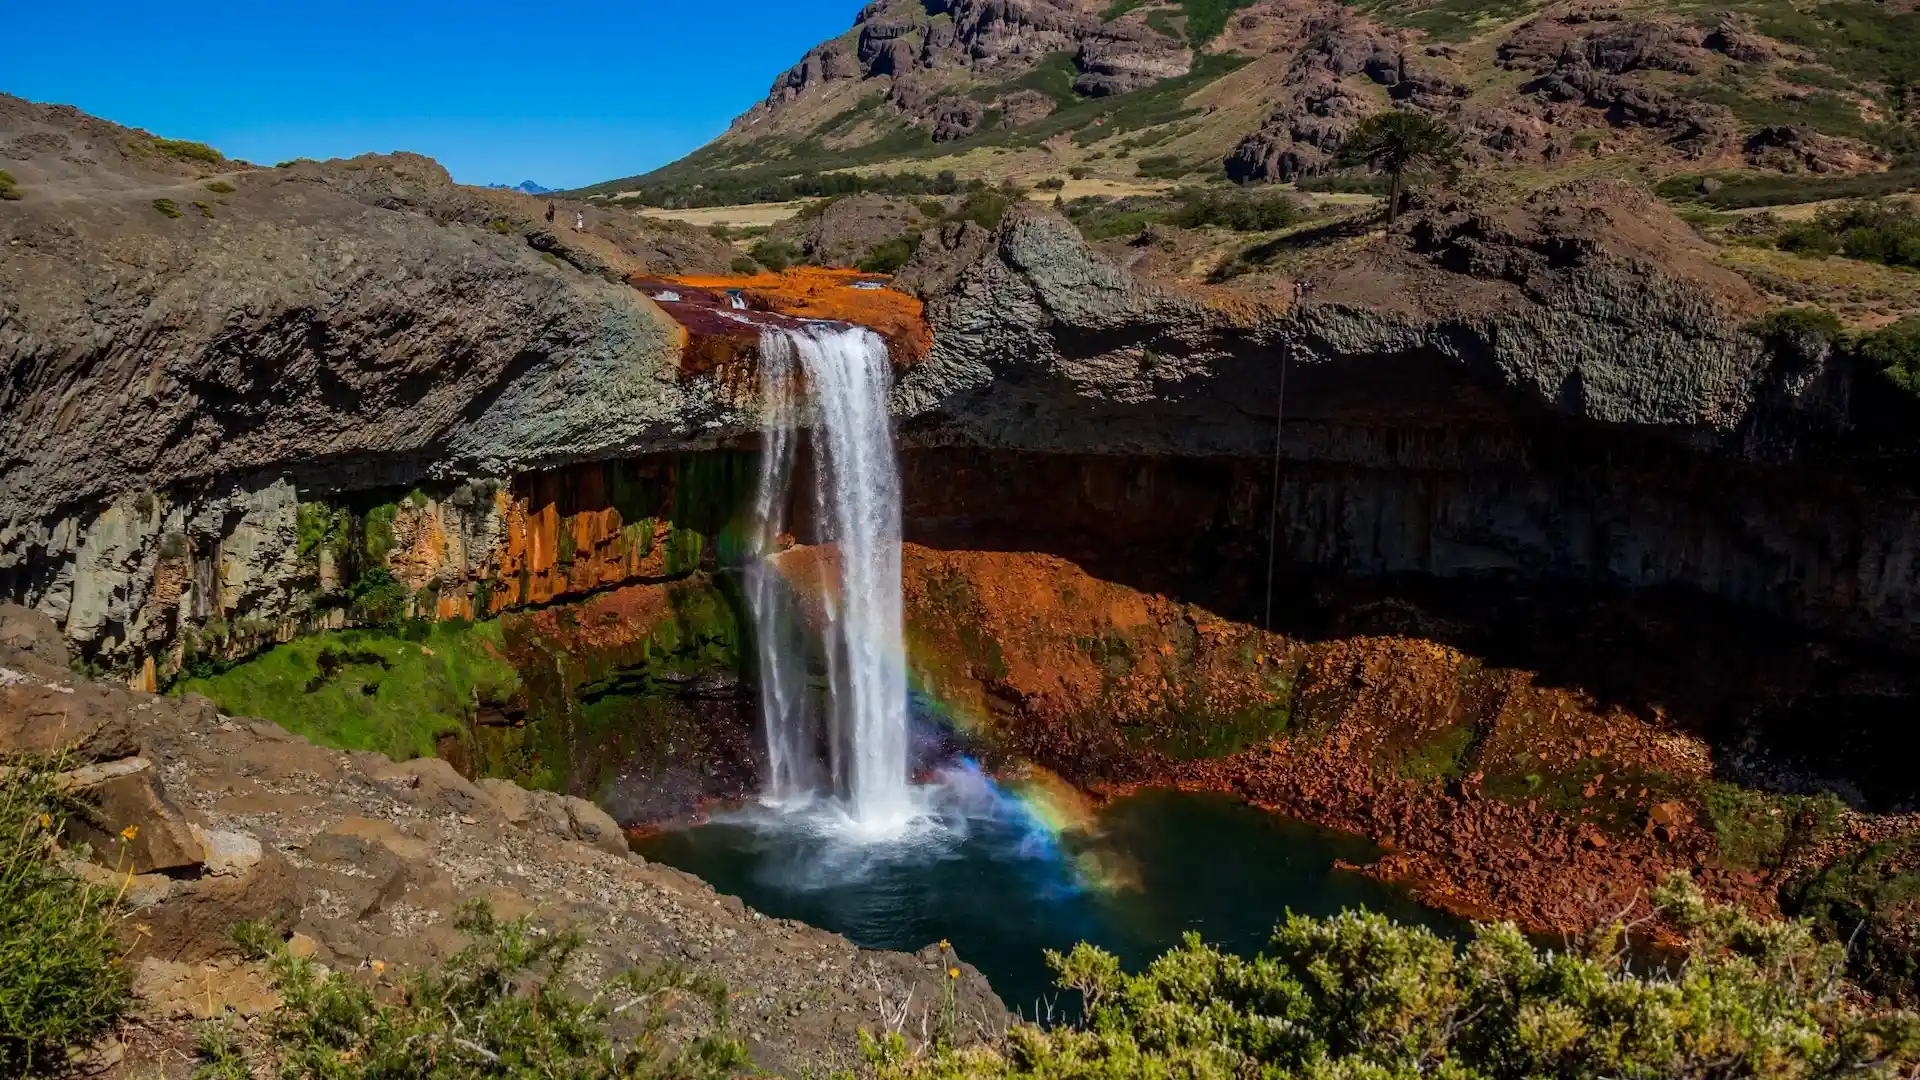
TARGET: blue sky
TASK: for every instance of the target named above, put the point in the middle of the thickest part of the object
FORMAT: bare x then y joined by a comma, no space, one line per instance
563,95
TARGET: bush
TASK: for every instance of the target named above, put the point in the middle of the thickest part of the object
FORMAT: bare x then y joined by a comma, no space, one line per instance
221,187
775,254
1051,183
1894,352
1358,997
376,599
892,255
8,187
61,983
1876,230
743,264
1800,335
983,206
378,540
166,207
185,150
494,1010
1240,211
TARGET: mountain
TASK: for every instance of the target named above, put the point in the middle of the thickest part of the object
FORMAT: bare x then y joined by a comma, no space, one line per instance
1267,90
525,187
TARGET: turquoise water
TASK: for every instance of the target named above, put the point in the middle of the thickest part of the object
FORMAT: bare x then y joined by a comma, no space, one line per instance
992,880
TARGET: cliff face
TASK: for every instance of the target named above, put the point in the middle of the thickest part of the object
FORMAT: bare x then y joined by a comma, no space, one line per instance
186,342
216,419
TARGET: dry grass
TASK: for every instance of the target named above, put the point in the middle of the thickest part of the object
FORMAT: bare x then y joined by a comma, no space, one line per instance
747,215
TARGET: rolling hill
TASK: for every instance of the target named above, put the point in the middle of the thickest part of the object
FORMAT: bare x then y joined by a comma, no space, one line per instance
1266,91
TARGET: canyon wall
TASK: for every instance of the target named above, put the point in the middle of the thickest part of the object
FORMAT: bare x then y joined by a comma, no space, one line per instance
351,385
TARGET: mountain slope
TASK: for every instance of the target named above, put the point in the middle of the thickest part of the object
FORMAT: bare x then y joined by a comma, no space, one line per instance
1267,90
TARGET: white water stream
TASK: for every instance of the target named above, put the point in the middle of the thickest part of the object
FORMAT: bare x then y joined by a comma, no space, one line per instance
834,380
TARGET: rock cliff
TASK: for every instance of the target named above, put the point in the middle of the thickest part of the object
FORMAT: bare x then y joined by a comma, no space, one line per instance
212,418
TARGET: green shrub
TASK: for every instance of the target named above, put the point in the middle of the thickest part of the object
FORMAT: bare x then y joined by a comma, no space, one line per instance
743,264
498,1009
1894,351
8,187
166,207
1051,183
1238,210
1736,191
377,538
892,255
61,982
318,525
186,150
982,206
205,210
1358,997
221,187
376,599
1800,335
1876,230
775,254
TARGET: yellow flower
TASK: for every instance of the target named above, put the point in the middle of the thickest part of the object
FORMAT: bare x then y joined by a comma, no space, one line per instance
944,946
379,966
129,833
46,821
953,973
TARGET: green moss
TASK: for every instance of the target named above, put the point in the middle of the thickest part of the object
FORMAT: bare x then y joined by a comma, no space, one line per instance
321,526
376,690
1871,898
1759,830
595,713
377,540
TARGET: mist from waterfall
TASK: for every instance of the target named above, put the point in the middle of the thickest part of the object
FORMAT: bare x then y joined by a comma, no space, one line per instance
834,380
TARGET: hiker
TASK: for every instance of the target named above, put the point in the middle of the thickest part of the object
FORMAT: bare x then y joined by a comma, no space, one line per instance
579,221
549,211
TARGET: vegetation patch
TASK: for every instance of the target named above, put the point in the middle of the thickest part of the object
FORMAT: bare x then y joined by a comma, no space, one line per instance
186,150
1877,230
166,207
1760,831
1870,897
1738,191
9,188
1446,20
370,689
1359,997
61,981
502,1007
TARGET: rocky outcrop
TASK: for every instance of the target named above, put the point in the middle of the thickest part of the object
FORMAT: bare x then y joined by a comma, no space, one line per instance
357,861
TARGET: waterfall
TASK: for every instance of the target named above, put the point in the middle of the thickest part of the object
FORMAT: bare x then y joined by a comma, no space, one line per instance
856,493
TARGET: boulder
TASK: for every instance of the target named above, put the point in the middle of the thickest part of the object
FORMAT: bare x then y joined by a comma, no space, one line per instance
196,920
510,798
32,642
48,717
425,781
592,825
127,819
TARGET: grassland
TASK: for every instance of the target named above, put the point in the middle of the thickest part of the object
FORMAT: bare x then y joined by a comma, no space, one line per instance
369,689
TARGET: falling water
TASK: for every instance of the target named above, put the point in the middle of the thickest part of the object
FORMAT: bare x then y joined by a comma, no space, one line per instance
857,496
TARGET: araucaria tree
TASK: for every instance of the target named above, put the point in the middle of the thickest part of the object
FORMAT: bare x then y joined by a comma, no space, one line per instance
1405,145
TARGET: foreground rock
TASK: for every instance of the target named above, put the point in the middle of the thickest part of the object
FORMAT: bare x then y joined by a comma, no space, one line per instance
361,861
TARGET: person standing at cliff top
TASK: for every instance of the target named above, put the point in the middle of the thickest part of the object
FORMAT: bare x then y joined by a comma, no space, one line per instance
549,212
579,221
